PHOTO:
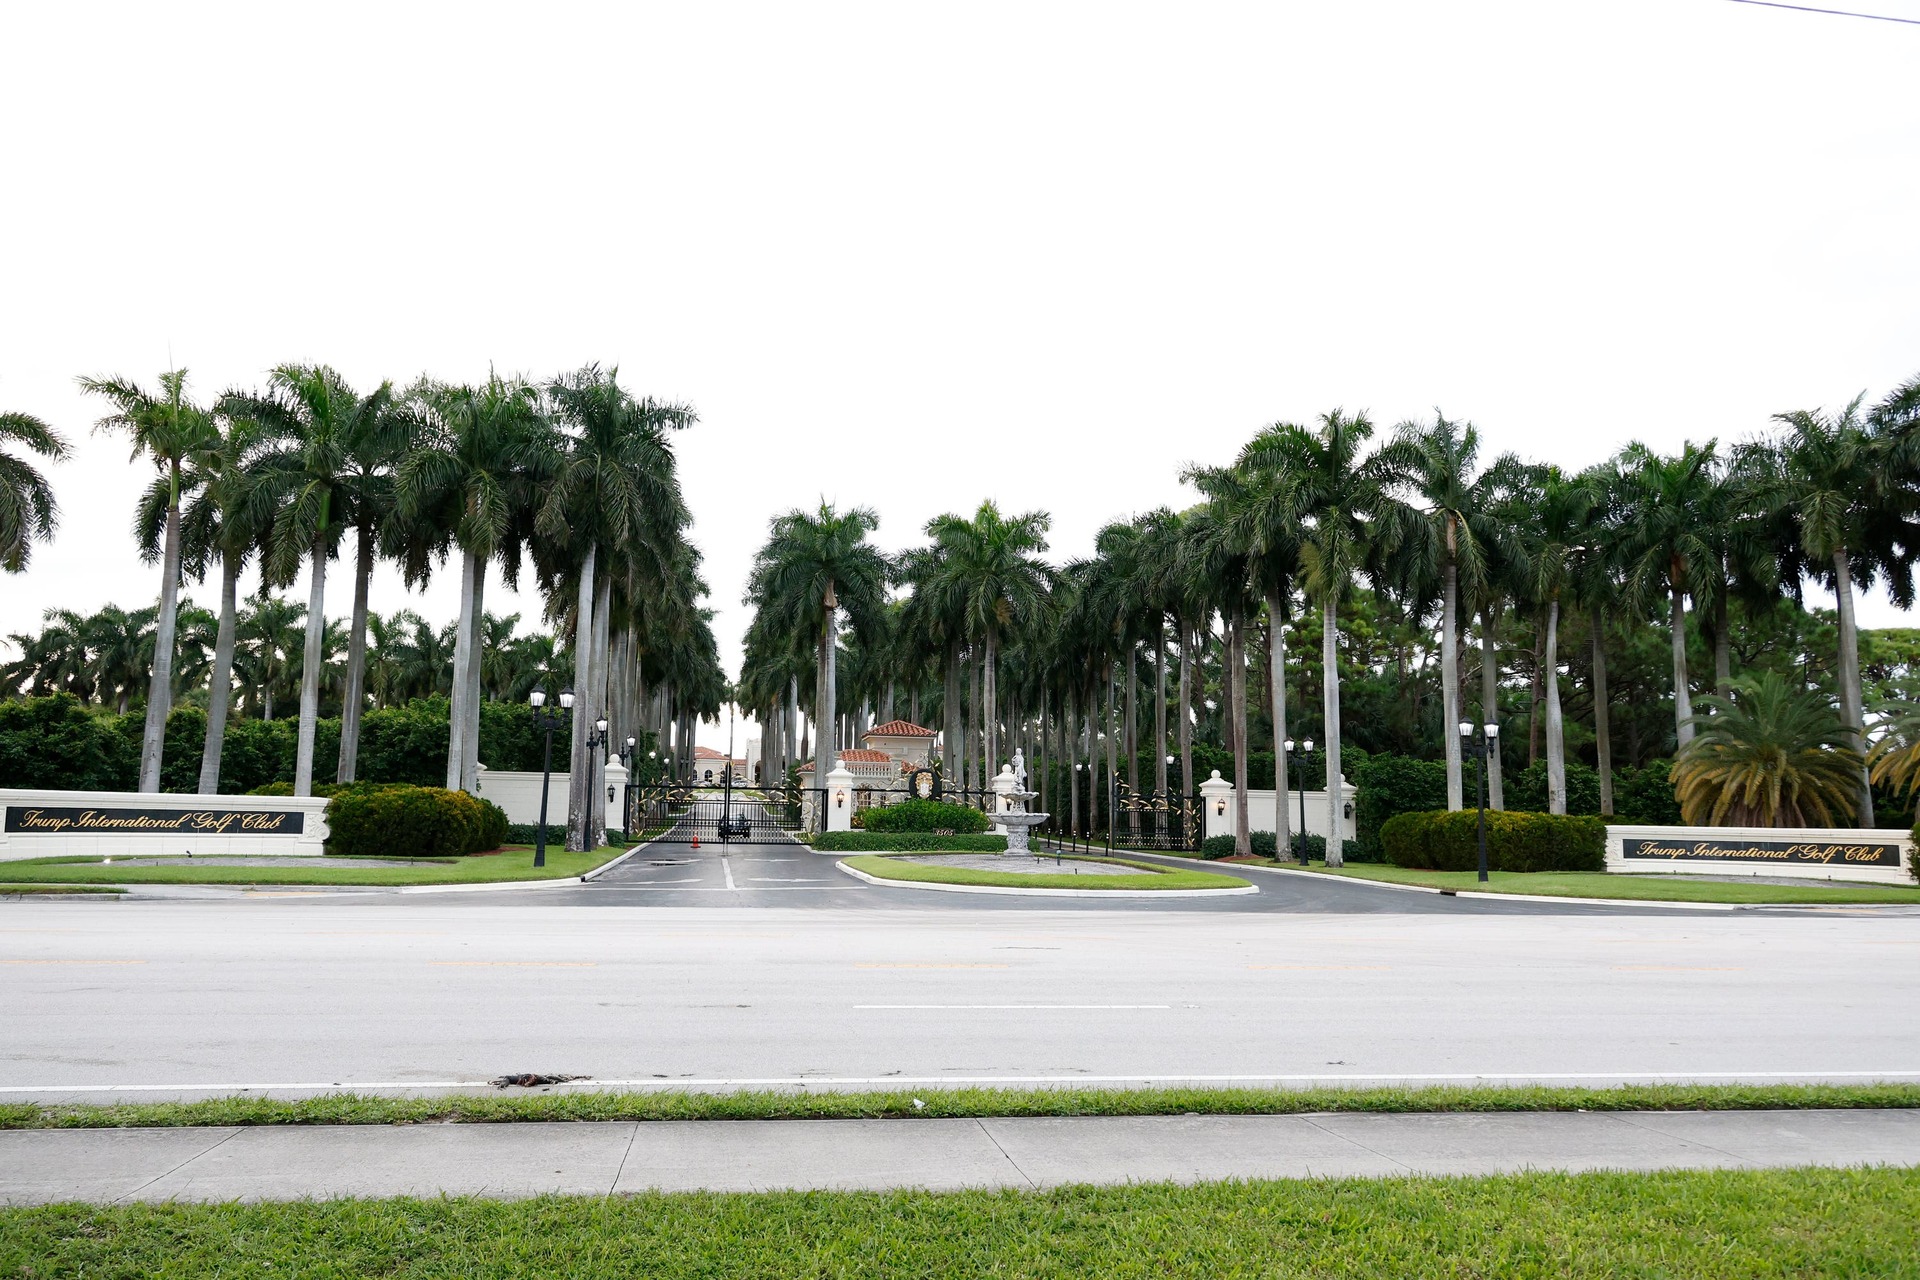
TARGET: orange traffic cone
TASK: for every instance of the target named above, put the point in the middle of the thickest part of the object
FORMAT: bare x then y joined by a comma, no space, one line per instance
696,842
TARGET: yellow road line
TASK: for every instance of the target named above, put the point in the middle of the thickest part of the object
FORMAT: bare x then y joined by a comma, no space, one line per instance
72,961
1319,966
1680,968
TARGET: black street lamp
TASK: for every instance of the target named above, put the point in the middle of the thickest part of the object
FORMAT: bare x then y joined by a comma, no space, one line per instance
1300,785
548,721
1478,747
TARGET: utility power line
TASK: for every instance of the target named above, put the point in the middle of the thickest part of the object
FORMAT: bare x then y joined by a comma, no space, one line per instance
1839,13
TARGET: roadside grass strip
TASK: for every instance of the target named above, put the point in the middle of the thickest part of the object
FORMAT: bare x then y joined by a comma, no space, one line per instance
937,1104
1707,1225
1599,884
14,890
513,864
1151,877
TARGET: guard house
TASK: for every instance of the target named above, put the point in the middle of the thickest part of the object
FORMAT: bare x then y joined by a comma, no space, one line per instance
905,743
713,766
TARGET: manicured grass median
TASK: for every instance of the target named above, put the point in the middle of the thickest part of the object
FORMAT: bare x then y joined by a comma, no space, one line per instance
1151,877
1703,1225
43,890
935,1104
512,864
1599,884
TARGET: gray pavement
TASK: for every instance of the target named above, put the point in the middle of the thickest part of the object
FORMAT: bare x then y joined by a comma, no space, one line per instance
297,995
507,1160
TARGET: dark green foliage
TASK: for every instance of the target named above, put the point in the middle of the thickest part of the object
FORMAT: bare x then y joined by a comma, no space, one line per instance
925,815
389,820
255,753
55,742
508,739
408,743
906,842
185,742
1527,790
1644,796
1263,847
1390,785
528,833
1441,840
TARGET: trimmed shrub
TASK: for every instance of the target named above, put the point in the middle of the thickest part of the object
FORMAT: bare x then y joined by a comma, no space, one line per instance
924,815
1443,840
1526,790
57,743
906,842
1644,796
529,833
1391,785
1263,847
397,821
1222,846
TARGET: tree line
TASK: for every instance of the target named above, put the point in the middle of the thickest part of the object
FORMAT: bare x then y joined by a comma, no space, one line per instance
1406,562
572,477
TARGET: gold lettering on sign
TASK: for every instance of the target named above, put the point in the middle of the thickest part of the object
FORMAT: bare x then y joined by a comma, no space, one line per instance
1801,852
212,822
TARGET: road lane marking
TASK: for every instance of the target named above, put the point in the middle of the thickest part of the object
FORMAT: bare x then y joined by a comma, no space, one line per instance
1319,966
727,867
1679,968
1013,1006
883,965
520,964
72,961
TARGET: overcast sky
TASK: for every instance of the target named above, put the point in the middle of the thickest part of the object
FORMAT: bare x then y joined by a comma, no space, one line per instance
913,256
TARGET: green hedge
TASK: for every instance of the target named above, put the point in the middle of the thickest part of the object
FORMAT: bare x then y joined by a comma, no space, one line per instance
412,822
925,815
1442,840
1392,785
1263,847
906,842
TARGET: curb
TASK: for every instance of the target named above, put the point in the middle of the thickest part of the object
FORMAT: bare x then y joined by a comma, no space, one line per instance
1513,897
1046,893
605,867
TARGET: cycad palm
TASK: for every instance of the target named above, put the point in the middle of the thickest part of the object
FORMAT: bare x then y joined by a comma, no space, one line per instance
28,513
169,429
1771,755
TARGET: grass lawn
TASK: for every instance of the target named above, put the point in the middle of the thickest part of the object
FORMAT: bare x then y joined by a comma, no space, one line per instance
1152,877
56,888
514,864
937,1104
1598,884
1706,1225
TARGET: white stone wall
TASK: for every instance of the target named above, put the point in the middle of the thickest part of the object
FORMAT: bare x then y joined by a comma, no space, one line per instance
15,845
1832,843
1216,795
519,794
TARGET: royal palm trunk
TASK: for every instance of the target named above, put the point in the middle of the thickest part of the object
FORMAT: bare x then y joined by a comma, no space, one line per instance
1277,679
160,688
1450,716
220,680
1850,694
1556,736
310,671
578,808
1237,695
1682,699
1330,660
355,692
1602,721
462,658
1490,703
470,735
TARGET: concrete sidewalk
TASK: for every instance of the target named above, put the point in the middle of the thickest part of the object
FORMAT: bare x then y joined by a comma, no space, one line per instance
40,1166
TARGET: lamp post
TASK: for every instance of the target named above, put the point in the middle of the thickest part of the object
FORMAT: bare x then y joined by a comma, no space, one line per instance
548,721
1300,785
1167,810
1478,747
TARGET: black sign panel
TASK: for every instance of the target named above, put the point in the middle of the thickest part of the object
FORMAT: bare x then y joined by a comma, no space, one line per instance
51,821
1851,853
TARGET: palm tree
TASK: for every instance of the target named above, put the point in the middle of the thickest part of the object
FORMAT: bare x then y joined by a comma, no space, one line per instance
267,635
1339,491
991,578
1834,479
1671,520
225,517
477,457
1223,548
1771,755
28,512
1445,536
811,567
614,489
1560,512
318,422
168,428
384,431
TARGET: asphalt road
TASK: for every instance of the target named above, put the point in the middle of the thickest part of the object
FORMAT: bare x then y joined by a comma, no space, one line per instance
785,982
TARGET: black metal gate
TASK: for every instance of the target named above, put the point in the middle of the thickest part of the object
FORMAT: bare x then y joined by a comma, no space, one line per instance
743,816
1154,820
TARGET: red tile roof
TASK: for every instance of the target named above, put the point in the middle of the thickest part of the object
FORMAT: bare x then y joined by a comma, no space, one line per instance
708,753
866,757
898,729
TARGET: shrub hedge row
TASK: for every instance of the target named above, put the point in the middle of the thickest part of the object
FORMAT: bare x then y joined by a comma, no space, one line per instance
906,842
1443,840
924,815
1263,847
400,821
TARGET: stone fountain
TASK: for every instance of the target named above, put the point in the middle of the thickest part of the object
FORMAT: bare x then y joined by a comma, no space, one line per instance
1011,815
